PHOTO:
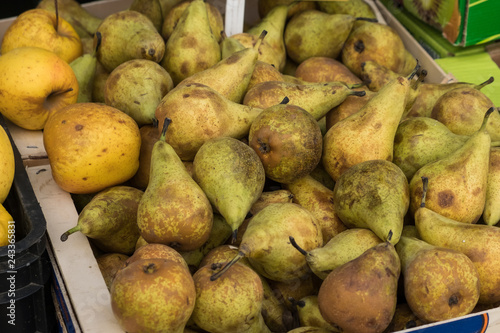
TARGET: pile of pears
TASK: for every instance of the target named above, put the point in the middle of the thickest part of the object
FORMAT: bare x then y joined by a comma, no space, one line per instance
299,176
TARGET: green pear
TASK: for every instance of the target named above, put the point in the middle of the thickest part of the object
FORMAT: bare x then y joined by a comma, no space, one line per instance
84,23
274,23
199,113
491,213
294,7
369,133
315,98
357,8
232,303
462,111
136,87
151,9
344,247
380,43
109,219
429,93
153,295
266,243
458,180
230,76
422,140
231,175
374,195
174,210
192,47
317,198
314,33
172,17
375,76
287,140
309,314
439,283
479,242
229,45
361,295
128,35
85,67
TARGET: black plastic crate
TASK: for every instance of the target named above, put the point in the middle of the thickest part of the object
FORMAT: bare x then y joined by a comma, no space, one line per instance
26,273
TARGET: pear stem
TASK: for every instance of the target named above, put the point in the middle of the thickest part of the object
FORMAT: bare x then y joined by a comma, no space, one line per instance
359,93
260,39
295,245
357,85
414,72
425,184
285,100
486,117
98,42
57,15
367,19
64,236
234,235
227,266
166,123
485,83
149,268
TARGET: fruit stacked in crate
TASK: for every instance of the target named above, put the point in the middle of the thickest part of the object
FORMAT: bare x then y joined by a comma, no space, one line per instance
301,175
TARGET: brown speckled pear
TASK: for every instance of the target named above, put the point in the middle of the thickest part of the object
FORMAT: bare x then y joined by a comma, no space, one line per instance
439,283
361,295
479,242
192,47
457,181
174,210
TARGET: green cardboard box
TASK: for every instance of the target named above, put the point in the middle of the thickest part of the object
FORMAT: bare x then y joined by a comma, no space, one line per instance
461,22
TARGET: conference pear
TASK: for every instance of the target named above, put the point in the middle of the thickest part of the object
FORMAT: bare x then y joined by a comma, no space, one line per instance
462,111
229,45
458,180
287,140
266,244
374,195
151,9
439,283
369,133
268,197
491,213
361,295
231,175
128,35
192,46
422,140
317,198
479,242
174,210
109,219
309,314
199,113
340,249
315,98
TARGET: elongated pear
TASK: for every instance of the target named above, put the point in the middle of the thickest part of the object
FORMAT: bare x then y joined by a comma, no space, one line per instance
230,76
361,295
422,140
274,23
200,113
439,283
479,242
231,175
340,249
374,195
315,98
85,67
309,314
174,210
369,133
192,47
266,242
491,213
317,198
458,180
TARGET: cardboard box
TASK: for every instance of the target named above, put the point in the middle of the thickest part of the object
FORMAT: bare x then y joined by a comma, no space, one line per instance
82,292
461,22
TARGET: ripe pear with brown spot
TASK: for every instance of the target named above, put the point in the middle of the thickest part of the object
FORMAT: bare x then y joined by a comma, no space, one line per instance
361,295
479,242
174,210
459,180
439,283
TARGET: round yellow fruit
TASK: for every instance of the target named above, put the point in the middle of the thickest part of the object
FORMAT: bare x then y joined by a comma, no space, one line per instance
91,146
39,27
34,82
7,165
5,218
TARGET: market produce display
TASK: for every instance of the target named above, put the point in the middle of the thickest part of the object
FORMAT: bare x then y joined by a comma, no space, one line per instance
299,176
